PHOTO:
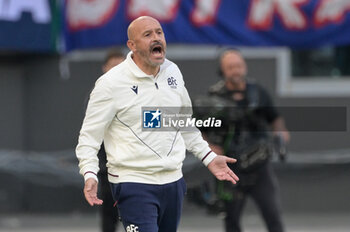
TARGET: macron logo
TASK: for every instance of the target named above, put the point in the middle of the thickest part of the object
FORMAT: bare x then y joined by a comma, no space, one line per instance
134,88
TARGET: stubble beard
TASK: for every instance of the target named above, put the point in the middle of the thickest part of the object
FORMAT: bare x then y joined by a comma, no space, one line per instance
236,79
146,57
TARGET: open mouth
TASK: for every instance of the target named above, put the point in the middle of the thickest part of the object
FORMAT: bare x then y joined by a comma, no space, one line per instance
157,50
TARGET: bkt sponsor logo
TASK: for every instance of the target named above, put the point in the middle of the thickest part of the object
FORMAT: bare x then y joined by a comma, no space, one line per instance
172,82
152,118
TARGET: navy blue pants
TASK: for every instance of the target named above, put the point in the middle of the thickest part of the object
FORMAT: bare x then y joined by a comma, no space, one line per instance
150,207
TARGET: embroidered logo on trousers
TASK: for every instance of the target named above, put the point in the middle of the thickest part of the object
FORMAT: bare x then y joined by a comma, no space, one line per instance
132,228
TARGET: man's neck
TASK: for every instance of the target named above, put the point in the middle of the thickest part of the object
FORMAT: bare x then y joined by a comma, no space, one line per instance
238,86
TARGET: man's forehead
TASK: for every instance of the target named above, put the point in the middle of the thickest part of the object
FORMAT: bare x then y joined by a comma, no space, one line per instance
142,24
232,55
148,24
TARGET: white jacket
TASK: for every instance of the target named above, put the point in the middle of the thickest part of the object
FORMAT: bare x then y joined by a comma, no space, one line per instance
114,116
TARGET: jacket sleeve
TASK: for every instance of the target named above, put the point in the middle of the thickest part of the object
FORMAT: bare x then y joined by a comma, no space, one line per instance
193,138
99,114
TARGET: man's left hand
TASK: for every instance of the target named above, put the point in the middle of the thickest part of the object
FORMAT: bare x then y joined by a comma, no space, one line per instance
218,166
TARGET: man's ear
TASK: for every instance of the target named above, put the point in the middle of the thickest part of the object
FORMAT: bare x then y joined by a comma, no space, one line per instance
131,45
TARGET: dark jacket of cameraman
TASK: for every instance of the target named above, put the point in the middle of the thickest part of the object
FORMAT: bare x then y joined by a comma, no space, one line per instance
246,134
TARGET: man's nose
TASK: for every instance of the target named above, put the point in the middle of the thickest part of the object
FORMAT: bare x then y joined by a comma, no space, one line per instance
156,37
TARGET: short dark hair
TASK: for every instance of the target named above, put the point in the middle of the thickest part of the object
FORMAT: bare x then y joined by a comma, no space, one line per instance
229,50
113,53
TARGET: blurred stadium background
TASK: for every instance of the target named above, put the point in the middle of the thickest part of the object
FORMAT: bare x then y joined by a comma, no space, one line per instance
51,53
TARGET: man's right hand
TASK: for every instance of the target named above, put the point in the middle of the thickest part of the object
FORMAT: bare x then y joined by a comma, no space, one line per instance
90,192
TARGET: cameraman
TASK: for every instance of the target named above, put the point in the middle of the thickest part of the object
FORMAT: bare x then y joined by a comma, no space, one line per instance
247,139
